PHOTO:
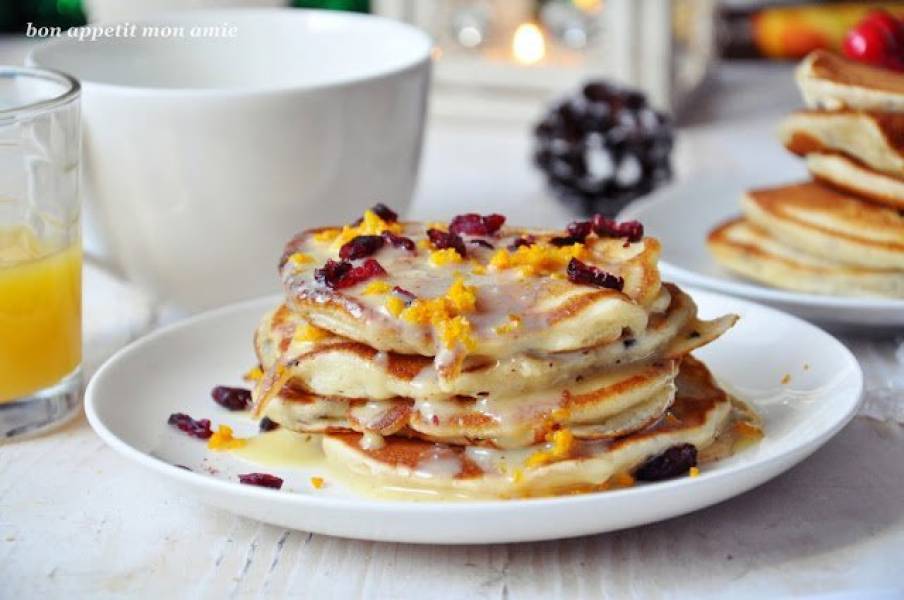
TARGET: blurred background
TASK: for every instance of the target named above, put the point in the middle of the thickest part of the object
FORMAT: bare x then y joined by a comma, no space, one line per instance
717,73
507,57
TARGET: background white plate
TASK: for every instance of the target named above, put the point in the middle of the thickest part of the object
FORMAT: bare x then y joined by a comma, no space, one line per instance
681,216
173,370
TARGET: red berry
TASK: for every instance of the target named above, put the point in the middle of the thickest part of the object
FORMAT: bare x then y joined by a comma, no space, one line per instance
267,424
474,224
481,243
385,213
565,241
675,461
408,296
877,40
887,22
603,227
398,241
442,240
338,275
360,247
866,44
584,274
199,429
382,211
579,230
232,398
262,480
332,272
526,241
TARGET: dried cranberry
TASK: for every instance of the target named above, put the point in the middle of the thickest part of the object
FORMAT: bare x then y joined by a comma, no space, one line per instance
232,398
261,479
199,429
603,227
579,272
384,212
474,224
332,272
482,244
409,297
360,247
267,424
337,275
442,240
671,463
370,268
579,230
558,242
526,241
398,241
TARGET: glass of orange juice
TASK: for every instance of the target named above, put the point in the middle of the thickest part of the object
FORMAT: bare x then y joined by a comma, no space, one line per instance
40,250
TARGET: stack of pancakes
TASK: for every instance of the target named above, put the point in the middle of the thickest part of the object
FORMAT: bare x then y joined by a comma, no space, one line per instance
843,232
487,362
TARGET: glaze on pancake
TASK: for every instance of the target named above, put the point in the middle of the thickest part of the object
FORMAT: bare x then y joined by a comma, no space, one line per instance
829,224
336,366
853,177
832,82
750,251
875,139
519,307
700,412
606,405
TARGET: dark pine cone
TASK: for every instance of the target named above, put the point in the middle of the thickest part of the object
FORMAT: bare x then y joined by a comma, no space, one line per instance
603,148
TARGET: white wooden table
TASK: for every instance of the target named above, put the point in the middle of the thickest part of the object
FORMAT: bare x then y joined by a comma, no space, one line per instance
78,521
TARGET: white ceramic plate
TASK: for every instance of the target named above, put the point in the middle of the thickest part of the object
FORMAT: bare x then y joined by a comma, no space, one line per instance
173,370
682,215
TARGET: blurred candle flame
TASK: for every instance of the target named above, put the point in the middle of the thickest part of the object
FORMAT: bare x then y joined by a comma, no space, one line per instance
528,44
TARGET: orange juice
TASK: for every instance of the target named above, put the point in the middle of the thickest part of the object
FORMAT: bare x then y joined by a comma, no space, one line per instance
40,313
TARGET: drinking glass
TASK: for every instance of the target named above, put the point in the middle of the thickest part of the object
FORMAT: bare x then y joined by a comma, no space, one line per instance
40,250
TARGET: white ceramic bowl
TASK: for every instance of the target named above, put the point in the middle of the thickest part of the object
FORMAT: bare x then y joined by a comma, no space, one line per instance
203,155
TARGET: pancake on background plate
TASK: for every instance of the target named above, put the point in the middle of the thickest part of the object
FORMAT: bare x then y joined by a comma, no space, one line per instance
829,224
874,139
831,82
750,251
843,233
853,177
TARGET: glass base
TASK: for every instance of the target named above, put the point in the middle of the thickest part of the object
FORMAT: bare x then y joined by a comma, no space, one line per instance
43,410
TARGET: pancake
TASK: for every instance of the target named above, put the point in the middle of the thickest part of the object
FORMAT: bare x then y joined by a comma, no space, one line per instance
750,251
337,366
700,413
829,224
606,405
853,177
495,303
874,139
832,82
